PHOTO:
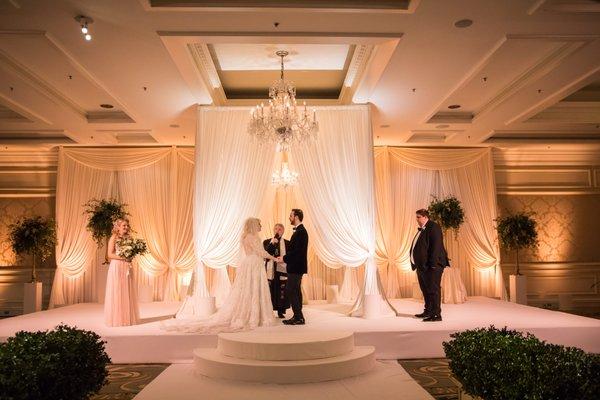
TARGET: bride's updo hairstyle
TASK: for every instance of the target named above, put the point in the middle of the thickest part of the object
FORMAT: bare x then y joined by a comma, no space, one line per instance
251,226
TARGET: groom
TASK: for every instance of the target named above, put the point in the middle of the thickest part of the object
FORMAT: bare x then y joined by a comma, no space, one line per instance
296,260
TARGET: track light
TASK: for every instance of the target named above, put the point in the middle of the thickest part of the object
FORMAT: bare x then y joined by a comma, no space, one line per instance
84,22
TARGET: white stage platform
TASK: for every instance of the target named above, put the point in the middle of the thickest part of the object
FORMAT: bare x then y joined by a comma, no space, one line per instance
400,337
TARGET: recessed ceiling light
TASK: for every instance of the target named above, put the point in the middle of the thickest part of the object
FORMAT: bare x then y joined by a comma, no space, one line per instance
442,126
384,126
454,106
174,126
463,23
107,105
84,22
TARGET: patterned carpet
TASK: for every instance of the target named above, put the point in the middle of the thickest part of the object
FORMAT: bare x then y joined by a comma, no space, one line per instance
434,376
127,380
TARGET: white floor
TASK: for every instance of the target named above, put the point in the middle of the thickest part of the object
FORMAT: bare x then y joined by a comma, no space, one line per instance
387,380
400,337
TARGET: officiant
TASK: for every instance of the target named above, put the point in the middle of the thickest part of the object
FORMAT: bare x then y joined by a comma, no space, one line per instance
276,272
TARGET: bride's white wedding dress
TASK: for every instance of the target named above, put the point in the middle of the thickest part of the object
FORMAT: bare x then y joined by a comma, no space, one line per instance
249,303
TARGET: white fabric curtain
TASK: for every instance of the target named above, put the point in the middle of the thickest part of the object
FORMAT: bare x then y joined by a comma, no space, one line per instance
406,178
154,183
232,176
337,189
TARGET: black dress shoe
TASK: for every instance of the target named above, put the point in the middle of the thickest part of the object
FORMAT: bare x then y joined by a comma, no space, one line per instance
294,321
422,315
280,314
433,318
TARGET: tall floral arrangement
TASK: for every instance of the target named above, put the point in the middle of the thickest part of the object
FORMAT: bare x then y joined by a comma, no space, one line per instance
101,216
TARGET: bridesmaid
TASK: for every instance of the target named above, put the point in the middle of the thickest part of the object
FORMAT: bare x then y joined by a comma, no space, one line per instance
120,303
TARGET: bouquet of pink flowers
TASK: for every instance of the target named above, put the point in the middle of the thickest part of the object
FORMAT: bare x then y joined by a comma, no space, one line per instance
128,247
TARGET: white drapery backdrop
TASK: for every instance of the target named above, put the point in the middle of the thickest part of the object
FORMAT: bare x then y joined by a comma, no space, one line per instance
336,188
155,184
158,186
336,185
232,175
406,178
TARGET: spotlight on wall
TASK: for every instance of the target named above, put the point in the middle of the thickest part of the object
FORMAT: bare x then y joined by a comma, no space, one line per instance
84,22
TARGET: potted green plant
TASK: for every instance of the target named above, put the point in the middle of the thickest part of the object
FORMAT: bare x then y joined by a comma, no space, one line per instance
35,236
517,232
64,363
503,364
101,216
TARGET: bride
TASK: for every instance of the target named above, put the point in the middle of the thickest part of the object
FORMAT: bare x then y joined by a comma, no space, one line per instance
249,303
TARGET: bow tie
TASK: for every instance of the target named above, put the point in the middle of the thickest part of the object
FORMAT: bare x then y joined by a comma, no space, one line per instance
420,229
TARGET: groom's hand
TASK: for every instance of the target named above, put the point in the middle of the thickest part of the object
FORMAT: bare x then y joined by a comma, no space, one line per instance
279,259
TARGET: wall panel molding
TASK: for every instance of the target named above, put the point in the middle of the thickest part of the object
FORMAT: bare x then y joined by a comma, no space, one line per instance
547,280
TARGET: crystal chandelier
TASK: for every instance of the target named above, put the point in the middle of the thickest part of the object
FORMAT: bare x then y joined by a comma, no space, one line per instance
282,121
284,177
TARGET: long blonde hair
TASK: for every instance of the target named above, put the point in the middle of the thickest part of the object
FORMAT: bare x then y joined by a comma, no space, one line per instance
251,226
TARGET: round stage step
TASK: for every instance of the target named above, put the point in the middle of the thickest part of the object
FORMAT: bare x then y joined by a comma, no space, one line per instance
290,347
211,363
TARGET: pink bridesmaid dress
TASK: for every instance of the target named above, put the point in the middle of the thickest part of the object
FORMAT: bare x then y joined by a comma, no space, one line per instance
120,302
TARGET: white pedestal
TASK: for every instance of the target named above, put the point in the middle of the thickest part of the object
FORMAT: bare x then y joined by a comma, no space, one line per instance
32,299
372,306
518,289
332,294
565,301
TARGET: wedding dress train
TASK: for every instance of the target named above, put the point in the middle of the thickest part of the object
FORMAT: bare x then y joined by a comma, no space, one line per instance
249,303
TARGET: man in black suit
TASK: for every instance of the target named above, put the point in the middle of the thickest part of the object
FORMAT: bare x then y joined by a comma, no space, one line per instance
428,257
276,272
296,261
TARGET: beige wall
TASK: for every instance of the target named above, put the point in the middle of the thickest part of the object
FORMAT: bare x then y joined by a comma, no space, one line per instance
27,188
562,189
13,209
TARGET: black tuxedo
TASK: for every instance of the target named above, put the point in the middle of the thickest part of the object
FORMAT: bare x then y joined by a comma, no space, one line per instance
429,258
278,284
296,254
297,265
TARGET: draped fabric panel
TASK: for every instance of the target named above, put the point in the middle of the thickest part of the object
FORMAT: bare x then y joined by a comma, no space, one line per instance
336,185
406,178
232,176
155,184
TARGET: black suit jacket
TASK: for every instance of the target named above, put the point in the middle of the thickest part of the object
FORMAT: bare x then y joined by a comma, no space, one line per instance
296,253
428,251
273,249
